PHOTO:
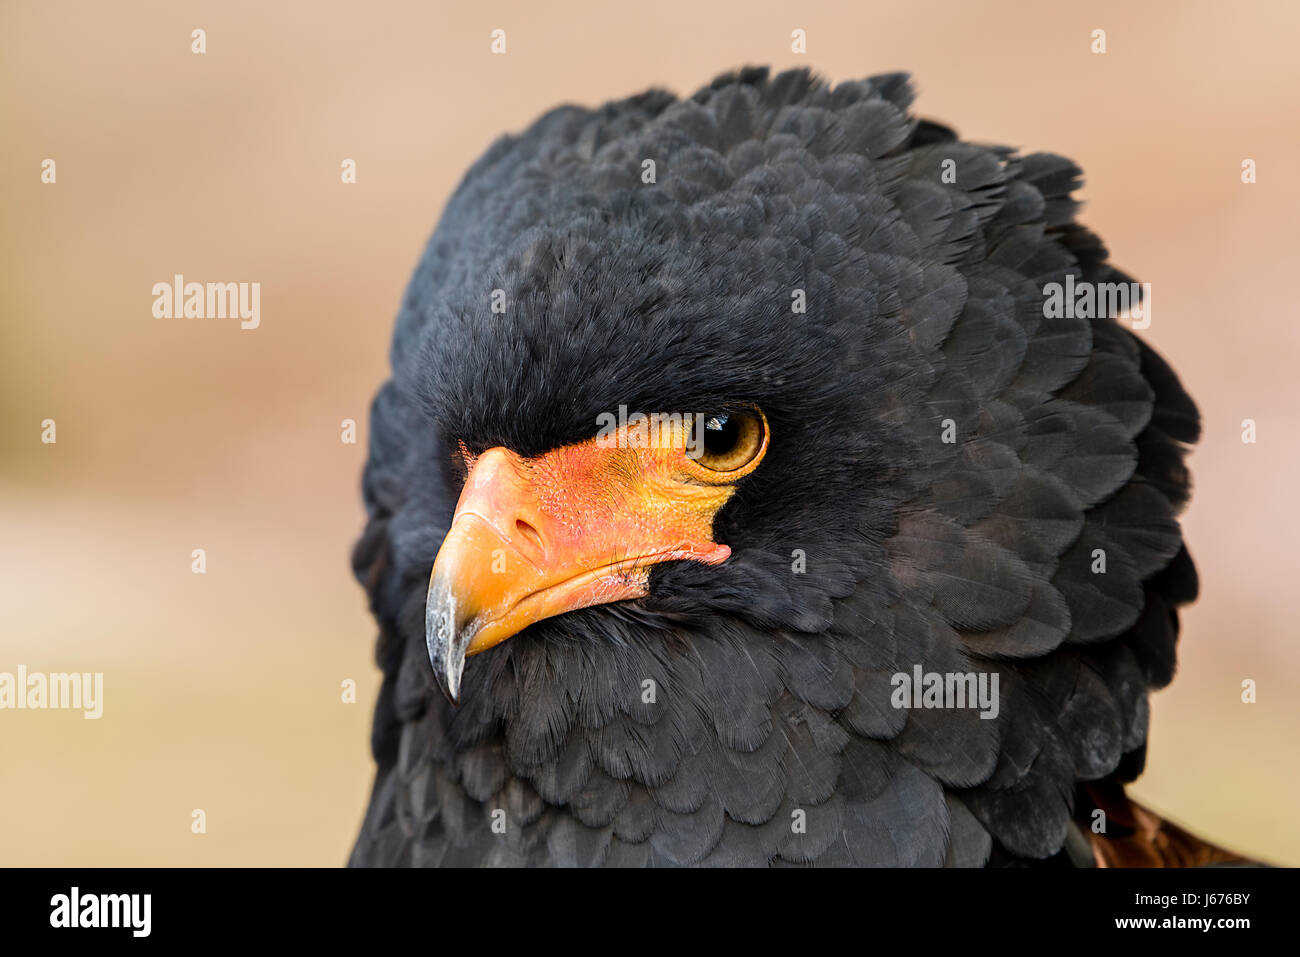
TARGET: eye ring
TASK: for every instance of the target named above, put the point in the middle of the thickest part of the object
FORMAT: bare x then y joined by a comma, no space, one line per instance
734,442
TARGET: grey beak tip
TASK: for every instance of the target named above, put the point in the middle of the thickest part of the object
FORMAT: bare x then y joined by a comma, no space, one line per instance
451,694
449,677
445,640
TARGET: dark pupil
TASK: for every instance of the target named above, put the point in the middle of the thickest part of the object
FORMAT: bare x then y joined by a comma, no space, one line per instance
720,434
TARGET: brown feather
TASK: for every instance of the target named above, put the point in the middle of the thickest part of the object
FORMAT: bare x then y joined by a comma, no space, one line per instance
1138,837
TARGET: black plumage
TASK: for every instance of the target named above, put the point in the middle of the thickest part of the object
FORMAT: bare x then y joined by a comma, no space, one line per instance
924,308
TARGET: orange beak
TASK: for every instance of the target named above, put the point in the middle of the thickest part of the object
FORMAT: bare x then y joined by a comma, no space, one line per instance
579,526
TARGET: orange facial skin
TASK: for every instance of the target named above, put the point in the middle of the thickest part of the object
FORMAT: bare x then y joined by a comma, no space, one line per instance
579,526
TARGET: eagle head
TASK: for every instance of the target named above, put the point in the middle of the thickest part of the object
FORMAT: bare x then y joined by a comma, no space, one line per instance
716,428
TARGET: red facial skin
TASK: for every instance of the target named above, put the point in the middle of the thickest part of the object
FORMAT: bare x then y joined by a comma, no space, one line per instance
579,526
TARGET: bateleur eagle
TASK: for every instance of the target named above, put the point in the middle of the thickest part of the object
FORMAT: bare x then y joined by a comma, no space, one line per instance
865,455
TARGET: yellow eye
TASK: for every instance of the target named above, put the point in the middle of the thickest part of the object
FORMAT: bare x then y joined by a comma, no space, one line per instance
732,441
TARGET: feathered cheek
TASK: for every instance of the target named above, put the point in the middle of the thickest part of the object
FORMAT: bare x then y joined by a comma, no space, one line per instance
579,526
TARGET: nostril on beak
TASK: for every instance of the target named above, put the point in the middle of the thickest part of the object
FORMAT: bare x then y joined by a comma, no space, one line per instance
530,535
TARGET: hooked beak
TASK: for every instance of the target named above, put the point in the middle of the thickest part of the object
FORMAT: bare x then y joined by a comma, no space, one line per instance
579,526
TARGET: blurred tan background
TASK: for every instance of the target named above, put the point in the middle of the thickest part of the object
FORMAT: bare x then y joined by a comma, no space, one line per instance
222,691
